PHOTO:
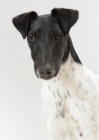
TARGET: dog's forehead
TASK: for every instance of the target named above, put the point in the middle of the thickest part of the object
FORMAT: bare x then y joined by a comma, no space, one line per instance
45,21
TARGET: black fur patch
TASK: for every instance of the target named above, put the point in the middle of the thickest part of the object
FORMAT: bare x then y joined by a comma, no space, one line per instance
48,38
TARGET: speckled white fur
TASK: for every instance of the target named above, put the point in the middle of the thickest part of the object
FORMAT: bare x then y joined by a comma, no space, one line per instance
70,103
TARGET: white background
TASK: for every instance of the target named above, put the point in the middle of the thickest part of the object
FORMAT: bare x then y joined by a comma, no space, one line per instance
20,117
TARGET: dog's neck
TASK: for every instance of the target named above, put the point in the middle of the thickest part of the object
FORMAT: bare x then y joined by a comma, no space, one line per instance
70,73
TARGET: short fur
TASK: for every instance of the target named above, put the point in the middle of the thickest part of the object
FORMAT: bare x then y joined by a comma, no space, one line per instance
70,96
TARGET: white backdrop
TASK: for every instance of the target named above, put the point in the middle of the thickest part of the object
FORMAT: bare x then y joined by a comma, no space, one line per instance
20,117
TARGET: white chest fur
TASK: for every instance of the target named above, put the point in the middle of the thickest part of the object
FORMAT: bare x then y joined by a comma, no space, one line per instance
70,103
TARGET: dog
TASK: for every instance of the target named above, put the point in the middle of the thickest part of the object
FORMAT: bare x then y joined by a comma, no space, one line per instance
70,91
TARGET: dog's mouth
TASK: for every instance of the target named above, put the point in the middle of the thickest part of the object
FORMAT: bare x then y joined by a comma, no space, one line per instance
48,77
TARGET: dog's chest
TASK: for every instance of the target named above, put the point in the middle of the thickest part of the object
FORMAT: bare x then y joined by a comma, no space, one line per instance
70,107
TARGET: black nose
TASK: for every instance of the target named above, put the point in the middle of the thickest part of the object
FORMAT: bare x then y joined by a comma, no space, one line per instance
46,71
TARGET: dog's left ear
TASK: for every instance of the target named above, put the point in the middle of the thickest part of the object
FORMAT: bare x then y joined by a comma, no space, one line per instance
22,22
65,17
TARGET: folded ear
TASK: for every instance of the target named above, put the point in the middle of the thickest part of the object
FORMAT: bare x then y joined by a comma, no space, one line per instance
22,22
65,17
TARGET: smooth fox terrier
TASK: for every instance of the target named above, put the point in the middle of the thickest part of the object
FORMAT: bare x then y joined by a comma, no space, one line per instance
70,91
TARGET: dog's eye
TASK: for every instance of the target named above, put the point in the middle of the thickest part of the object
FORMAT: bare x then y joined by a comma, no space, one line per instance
33,39
56,36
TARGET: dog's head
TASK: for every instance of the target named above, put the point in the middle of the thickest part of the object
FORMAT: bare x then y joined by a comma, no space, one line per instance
46,36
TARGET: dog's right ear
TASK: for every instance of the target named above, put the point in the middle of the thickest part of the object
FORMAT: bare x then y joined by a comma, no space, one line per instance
22,22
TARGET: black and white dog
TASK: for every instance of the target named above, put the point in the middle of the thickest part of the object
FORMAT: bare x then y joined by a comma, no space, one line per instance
70,91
